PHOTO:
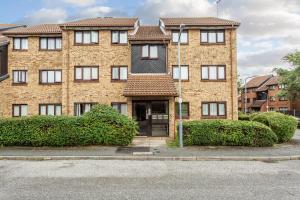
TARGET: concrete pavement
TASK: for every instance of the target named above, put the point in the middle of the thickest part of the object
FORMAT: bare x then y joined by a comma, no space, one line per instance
87,179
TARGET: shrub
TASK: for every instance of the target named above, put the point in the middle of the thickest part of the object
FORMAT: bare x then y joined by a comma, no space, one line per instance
228,133
283,126
102,126
244,117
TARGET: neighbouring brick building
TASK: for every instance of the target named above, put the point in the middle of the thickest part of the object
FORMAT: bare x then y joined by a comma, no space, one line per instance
67,68
262,96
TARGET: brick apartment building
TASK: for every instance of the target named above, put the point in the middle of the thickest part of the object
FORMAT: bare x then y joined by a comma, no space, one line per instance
262,96
65,69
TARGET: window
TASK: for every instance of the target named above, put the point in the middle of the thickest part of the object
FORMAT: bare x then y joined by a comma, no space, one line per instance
50,76
272,98
50,43
283,99
50,109
119,73
212,36
86,37
119,37
86,73
282,86
20,43
272,87
150,51
81,108
213,109
183,37
213,72
185,107
20,76
120,107
283,109
20,110
184,72
272,109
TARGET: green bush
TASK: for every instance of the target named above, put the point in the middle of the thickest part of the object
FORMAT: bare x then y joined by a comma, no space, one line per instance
283,126
244,117
102,126
228,133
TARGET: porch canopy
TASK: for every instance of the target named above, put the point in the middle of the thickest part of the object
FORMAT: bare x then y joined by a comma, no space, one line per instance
150,85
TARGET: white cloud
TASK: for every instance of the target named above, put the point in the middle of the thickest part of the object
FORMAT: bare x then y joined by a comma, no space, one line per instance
98,11
45,15
80,3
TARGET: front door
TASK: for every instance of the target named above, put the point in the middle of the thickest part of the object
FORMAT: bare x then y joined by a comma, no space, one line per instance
152,117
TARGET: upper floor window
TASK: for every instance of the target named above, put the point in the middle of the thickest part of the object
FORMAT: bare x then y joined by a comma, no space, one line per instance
50,43
150,51
81,108
213,109
86,73
185,108
119,37
283,109
120,107
50,109
212,36
183,37
119,73
20,43
86,37
213,72
272,87
20,110
184,72
282,86
20,76
50,76
272,98
283,98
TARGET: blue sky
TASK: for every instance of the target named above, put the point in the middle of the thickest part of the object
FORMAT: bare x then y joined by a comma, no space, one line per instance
269,30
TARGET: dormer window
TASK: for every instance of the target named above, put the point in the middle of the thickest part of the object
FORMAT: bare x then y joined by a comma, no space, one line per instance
212,36
149,52
183,37
119,37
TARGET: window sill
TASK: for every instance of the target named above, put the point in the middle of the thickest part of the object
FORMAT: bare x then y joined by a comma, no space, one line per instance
211,44
86,81
20,50
119,44
214,117
90,44
50,83
19,84
176,43
176,80
221,80
147,58
50,49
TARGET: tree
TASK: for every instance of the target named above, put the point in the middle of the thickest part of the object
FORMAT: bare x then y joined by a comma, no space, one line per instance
290,77
239,84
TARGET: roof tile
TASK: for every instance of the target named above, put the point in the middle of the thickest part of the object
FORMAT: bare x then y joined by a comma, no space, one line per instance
149,33
198,21
257,81
35,30
104,22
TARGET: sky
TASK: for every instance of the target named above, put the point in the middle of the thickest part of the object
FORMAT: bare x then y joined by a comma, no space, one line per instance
269,29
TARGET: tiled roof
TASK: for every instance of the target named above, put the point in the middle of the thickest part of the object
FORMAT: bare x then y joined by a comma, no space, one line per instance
257,103
257,81
150,85
3,40
199,21
273,81
105,22
149,33
35,30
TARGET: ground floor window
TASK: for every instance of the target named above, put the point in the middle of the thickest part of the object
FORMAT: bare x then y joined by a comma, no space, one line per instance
50,109
20,110
81,108
213,109
283,109
272,109
185,110
120,107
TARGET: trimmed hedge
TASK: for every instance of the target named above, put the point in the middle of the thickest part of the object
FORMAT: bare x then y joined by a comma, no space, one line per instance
102,126
228,133
244,117
283,126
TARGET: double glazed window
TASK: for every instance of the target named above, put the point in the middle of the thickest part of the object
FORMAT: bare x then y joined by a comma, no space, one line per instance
81,108
283,99
50,76
49,43
119,37
50,109
212,36
272,98
213,109
86,73
149,51
185,110
120,107
272,87
213,73
20,110
86,37
184,72
183,37
282,86
20,76
119,73
283,109
20,43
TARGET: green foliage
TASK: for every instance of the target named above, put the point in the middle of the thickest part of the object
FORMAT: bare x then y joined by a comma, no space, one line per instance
290,77
102,126
283,126
228,133
244,117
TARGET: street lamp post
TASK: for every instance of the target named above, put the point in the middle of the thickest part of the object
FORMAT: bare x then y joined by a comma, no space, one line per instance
245,93
267,100
180,89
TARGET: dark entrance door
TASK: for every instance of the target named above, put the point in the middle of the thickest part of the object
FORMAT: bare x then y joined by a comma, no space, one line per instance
152,117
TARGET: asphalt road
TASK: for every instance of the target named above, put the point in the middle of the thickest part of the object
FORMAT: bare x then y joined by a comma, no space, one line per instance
84,180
